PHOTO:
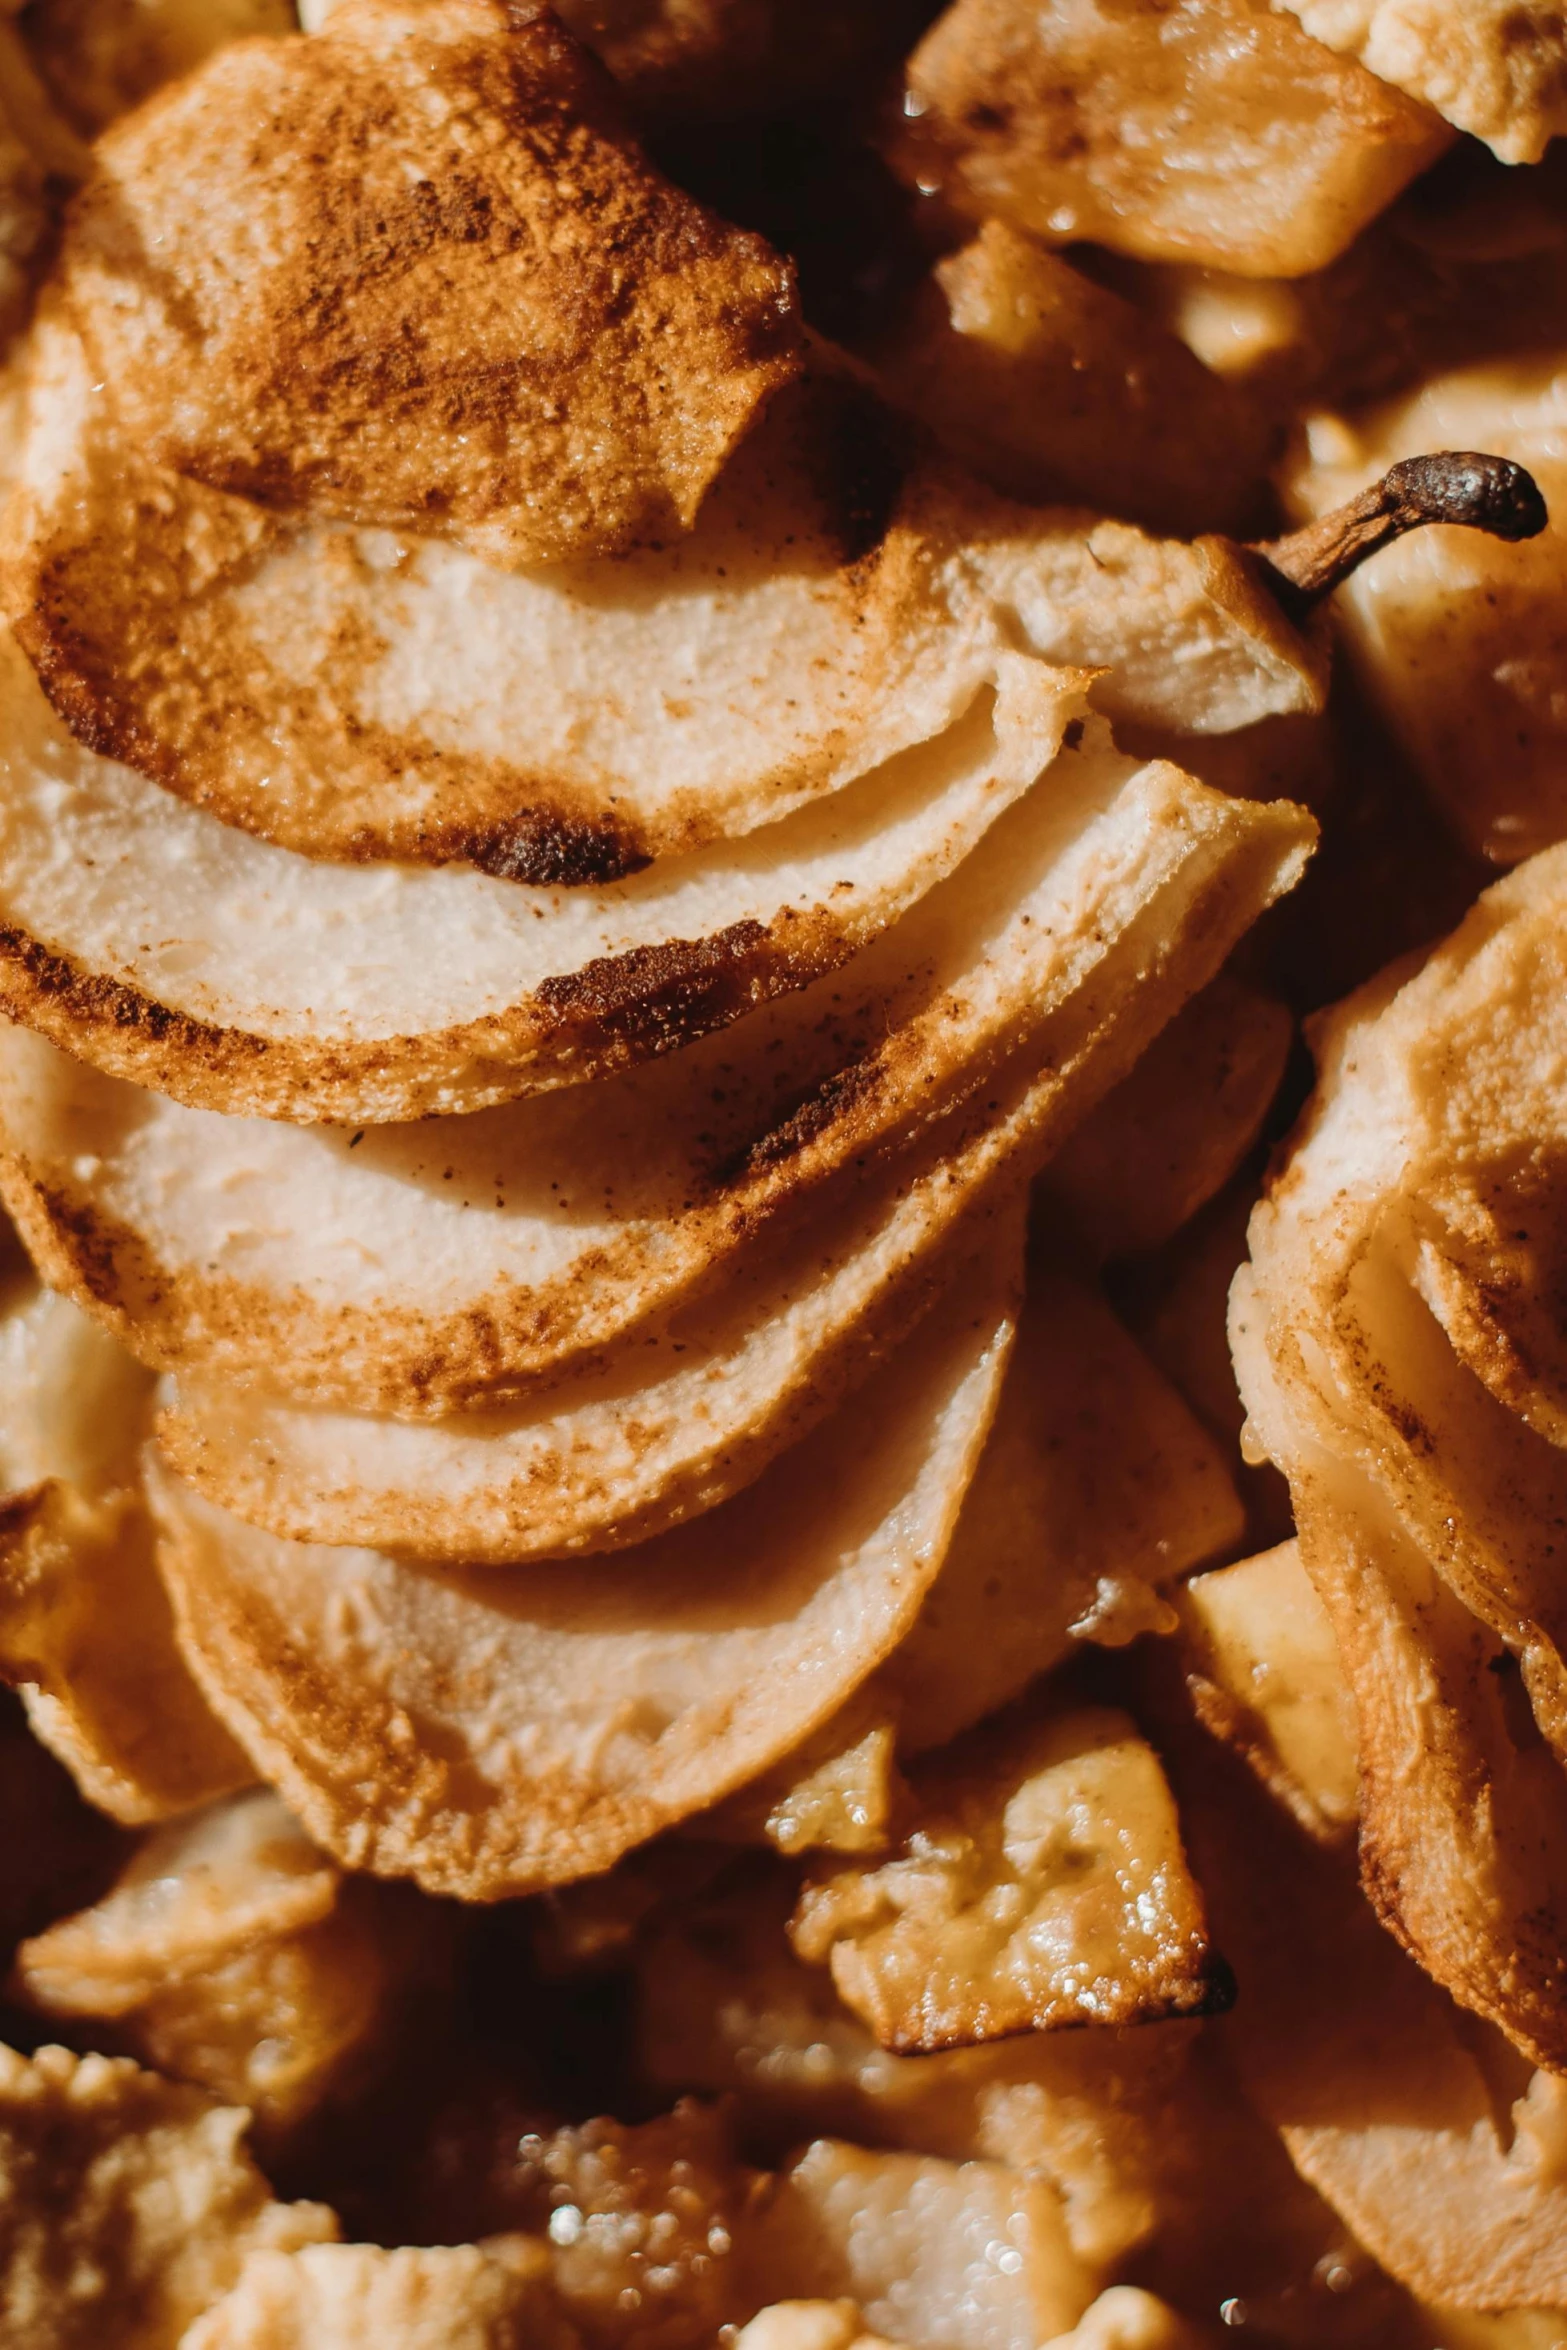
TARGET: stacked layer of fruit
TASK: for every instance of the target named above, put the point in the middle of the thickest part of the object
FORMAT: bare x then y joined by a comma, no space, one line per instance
635,875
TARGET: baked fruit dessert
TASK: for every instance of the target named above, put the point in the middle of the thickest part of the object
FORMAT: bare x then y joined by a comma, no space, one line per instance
694,700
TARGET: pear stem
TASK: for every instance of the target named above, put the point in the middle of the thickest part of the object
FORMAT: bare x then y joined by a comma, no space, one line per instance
1456,486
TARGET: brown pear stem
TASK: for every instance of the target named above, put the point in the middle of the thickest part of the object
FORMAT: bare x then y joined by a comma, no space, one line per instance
1457,486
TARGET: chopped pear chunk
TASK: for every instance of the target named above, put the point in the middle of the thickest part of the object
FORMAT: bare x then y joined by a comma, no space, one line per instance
1214,131
1043,1884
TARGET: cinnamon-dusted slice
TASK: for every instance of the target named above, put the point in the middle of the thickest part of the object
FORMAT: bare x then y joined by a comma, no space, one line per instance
488,1734
690,1406
419,1268
174,950
416,273
352,694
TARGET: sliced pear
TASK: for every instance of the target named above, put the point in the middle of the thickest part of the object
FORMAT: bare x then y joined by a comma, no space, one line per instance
1493,72
1215,132
841,600
85,1628
1427,1502
127,2203
1460,640
1171,1135
1053,388
694,1405
492,1733
446,291
238,977
1041,1884
1097,1490
418,1268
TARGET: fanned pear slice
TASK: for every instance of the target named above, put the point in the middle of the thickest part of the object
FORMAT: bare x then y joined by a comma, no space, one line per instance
412,1269
1459,638
688,1408
417,273
166,947
1215,131
1494,69
85,1628
352,694
1041,1884
1097,1490
491,1733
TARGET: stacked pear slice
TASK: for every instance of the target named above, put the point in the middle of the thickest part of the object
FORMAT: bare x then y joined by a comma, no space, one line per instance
541,1040
1398,1340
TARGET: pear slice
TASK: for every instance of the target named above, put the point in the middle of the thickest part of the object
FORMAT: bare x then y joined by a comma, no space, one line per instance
230,1953
492,1733
1428,1488
1098,1490
689,1406
417,1269
1493,72
358,694
444,289
1051,387
1214,132
171,949
85,1629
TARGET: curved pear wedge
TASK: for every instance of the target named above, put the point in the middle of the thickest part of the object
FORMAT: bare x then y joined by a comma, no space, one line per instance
85,1629
1462,1805
356,696
1429,1479
170,949
489,1734
1458,640
690,1406
419,1269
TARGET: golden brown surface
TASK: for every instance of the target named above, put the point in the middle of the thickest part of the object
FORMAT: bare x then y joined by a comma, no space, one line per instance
509,327
818,1657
